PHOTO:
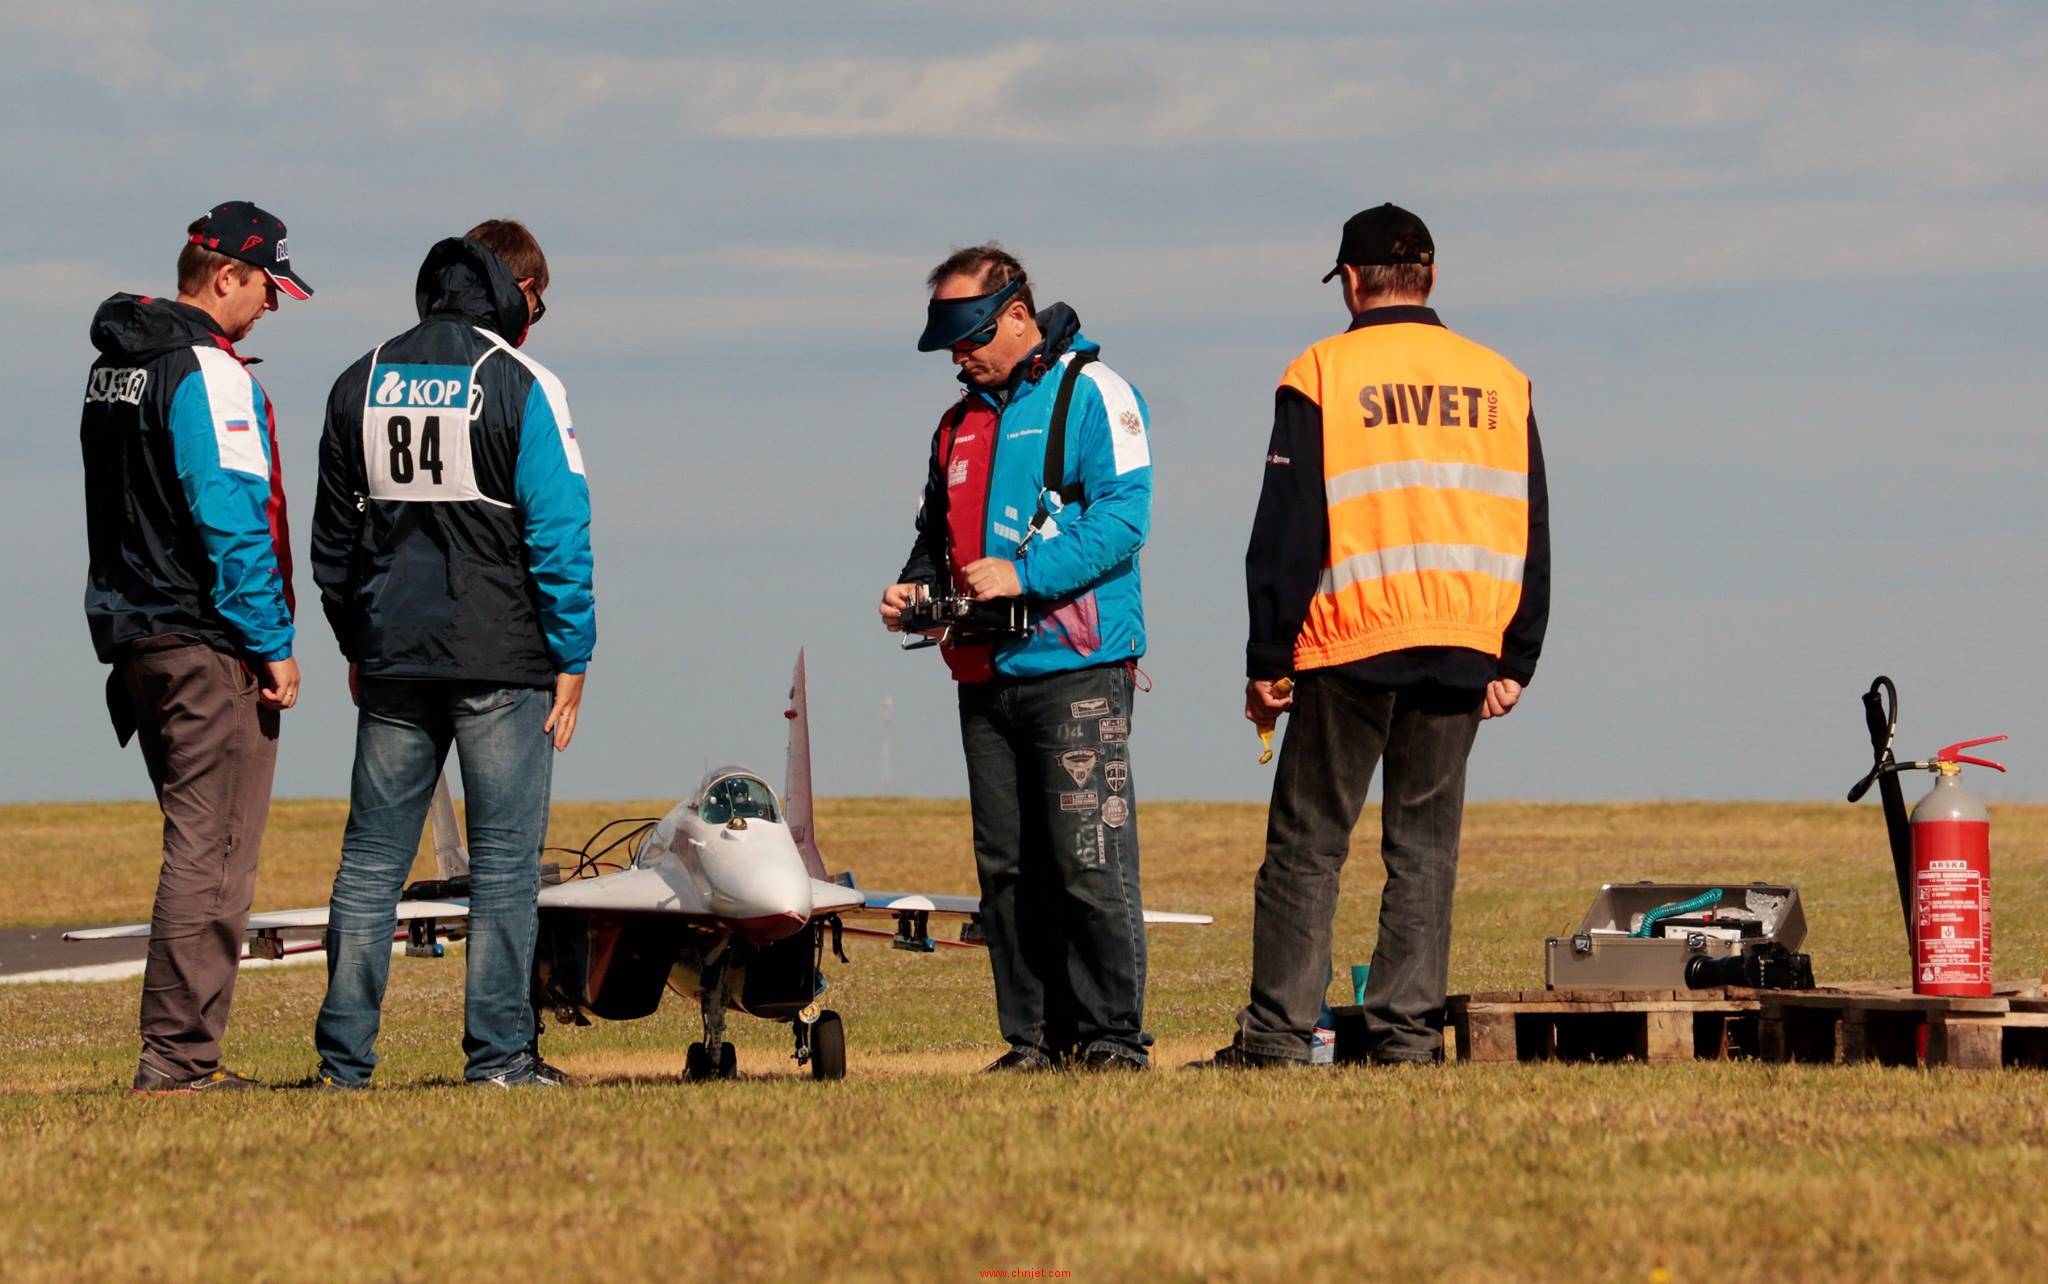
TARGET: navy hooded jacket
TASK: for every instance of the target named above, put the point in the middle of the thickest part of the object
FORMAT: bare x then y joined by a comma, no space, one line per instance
184,503
451,536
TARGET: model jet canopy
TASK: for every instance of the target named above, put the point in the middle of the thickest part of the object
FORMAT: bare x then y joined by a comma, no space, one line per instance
734,793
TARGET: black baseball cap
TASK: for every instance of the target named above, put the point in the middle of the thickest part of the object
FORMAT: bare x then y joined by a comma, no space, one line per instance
244,231
1383,235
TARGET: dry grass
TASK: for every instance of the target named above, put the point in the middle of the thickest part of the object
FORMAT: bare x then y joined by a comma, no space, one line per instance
915,1168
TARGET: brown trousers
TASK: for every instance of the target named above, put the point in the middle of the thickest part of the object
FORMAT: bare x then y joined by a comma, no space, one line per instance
211,751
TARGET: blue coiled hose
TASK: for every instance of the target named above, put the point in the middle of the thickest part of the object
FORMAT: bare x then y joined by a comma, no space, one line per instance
1705,900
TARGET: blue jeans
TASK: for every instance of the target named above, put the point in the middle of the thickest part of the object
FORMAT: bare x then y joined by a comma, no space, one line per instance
1056,847
403,731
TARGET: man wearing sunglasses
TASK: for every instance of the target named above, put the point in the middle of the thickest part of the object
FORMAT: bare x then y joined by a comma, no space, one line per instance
1039,489
451,543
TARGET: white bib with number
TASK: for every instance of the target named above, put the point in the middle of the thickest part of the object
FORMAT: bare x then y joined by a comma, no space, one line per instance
416,421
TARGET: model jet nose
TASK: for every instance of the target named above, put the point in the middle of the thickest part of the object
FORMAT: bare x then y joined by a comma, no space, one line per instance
757,880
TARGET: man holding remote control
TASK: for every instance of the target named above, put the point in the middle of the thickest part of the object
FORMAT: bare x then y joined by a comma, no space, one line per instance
1039,491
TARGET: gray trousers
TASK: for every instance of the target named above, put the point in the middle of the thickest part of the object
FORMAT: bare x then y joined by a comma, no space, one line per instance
1338,730
211,750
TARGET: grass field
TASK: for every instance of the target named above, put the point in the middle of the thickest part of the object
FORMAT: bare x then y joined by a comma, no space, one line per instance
916,1168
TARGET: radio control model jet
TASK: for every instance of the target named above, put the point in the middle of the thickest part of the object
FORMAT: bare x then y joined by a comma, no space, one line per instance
725,900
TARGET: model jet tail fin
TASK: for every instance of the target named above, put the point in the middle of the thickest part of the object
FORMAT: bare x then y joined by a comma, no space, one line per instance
796,785
451,856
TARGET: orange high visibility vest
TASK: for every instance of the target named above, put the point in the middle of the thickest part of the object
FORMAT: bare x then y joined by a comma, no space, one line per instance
1426,474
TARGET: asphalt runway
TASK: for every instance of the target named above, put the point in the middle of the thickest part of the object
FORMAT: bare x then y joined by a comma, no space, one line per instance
43,949
41,954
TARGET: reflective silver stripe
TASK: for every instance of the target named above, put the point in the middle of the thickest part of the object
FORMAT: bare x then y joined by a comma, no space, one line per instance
1404,473
1411,558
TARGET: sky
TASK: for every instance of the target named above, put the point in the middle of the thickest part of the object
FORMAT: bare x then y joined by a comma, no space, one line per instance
1775,272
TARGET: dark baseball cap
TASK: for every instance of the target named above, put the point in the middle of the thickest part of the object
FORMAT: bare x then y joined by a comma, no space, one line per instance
1383,235
244,231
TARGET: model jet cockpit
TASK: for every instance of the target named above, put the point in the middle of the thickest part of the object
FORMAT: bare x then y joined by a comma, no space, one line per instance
733,794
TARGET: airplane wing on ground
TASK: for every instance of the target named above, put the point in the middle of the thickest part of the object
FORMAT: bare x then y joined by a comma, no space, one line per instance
280,920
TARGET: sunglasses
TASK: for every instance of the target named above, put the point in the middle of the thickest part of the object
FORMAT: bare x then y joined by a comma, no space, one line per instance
540,305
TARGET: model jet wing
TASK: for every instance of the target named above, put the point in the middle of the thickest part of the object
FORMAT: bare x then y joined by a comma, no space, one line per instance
280,920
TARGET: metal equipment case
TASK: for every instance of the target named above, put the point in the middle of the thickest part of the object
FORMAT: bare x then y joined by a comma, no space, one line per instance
1600,955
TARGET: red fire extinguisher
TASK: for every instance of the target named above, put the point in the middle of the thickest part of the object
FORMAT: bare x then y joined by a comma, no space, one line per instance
1952,880
1942,857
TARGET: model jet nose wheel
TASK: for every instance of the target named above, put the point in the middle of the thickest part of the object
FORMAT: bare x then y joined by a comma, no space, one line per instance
698,1066
828,1046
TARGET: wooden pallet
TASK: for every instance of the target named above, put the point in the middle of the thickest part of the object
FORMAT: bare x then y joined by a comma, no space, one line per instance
1603,1025
1895,1027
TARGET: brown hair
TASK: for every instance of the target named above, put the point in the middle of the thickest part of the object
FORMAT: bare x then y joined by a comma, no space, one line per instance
994,266
197,264
510,241
1394,281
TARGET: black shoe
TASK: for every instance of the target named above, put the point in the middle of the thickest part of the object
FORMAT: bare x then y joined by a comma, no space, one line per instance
323,1080
151,1082
1020,1061
546,1071
1105,1060
1236,1058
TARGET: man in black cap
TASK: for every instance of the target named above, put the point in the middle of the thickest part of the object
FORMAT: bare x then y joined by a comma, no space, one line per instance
188,596
1398,579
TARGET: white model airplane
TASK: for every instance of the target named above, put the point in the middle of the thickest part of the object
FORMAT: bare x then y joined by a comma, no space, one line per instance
725,899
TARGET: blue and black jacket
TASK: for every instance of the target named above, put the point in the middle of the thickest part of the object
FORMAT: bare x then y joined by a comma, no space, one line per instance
451,536
184,502
1080,569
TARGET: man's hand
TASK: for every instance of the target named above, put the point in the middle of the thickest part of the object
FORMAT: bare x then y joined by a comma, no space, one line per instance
894,599
1263,705
355,685
562,718
992,577
278,687
1502,694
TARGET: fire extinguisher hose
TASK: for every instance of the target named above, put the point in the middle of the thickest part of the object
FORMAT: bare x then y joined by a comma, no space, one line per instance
1883,723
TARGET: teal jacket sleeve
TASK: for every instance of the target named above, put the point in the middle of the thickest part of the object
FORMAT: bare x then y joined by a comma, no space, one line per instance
554,506
1109,453
221,449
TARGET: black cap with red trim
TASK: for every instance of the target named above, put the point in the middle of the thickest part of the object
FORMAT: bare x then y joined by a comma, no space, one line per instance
241,230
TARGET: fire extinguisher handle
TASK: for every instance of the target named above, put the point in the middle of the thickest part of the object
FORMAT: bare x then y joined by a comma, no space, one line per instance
1977,762
1950,754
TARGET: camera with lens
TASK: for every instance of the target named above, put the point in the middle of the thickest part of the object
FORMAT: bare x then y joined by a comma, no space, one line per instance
1769,966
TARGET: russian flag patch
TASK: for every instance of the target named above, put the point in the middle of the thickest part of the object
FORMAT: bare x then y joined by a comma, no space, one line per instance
237,425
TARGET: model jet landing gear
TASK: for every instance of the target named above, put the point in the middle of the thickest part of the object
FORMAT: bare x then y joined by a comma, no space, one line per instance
821,1042
714,1058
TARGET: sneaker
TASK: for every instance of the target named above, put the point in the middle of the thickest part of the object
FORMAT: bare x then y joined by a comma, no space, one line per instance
527,1076
1105,1060
324,1081
1236,1058
546,1071
150,1082
1020,1061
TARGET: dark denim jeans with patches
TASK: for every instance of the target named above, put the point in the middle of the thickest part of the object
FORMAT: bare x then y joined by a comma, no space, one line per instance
1056,847
1338,731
